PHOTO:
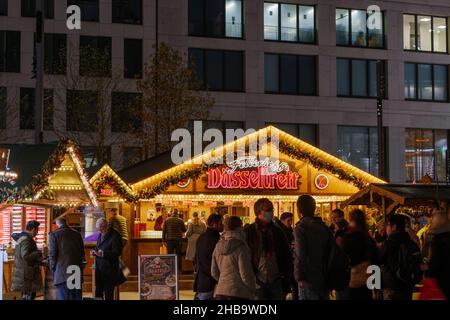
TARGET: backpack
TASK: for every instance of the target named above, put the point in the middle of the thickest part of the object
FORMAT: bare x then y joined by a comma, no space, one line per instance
409,259
338,267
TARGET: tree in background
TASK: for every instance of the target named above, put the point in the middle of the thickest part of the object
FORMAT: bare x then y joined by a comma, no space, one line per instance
171,98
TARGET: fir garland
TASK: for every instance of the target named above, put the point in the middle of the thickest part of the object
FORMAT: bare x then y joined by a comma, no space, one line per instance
107,179
320,164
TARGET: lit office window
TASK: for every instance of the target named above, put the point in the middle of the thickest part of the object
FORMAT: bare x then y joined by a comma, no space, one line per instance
426,82
352,28
233,18
424,33
289,22
425,154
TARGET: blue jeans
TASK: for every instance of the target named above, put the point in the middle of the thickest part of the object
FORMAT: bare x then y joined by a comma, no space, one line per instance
205,295
63,293
312,294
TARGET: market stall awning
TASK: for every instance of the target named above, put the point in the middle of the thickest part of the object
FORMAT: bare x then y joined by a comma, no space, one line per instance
390,196
50,173
107,183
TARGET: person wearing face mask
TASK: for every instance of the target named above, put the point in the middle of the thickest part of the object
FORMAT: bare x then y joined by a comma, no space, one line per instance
270,254
231,265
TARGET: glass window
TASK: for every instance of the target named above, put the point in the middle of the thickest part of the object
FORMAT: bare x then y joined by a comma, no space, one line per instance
101,46
308,133
27,109
358,146
425,154
9,51
3,107
233,18
306,75
306,19
343,77
271,74
197,62
271,21
215,18
125,110
288,72
127,11
29,8
440,83
373,78
3,7
196,17
89,9
359,25
410,81
409,32
132,58
81,114
425,84
214,70
233,70
55,53
439,34
359,78
95,157
342,26
424,33
376,29
288,22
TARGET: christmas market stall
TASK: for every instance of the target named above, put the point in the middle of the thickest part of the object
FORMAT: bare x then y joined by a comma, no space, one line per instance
266,163
50,181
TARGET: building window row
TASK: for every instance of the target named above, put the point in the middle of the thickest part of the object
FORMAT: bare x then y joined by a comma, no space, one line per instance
425,33
426,82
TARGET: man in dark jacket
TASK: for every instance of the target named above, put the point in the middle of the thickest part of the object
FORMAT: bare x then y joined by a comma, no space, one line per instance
393,286
204,283
107,270
173,231
27,259
439,265
271,258
312,238
66,250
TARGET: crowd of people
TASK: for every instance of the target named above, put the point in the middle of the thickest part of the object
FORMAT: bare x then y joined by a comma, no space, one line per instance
272,260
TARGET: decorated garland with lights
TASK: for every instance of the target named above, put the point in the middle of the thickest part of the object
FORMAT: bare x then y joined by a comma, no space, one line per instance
320,164
107,179
40,180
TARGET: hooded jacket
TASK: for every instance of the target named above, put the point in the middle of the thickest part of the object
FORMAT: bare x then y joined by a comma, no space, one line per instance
232,267
439,266
26,276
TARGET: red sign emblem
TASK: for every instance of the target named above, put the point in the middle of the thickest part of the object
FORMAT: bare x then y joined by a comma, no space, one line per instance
321,181
183,183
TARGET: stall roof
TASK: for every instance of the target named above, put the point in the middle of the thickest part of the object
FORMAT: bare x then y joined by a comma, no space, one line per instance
400,194
146,168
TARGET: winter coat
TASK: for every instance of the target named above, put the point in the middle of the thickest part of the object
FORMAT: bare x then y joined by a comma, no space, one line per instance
439,266
206,243
27,259
194,231
66,249
281,249
362,252
173,229
389,257
232,267
107,267
312,238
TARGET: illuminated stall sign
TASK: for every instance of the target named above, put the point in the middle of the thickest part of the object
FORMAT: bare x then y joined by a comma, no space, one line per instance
250,173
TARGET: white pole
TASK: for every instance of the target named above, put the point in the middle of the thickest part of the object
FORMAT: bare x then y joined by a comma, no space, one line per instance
2,260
